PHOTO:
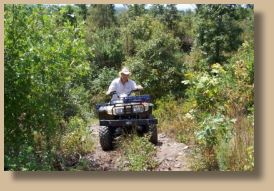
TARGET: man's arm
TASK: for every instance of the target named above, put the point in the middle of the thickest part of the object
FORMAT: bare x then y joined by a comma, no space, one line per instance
112,88
135,86
139,87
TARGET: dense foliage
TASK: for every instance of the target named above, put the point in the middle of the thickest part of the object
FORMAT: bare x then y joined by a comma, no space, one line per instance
197,65
218,31
45,64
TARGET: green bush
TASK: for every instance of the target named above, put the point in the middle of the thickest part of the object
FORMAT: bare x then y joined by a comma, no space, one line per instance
207,88
214,136
176,118
77,139
45,64
225,111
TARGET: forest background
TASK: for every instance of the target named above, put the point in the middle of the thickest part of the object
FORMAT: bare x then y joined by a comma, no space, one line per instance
198,66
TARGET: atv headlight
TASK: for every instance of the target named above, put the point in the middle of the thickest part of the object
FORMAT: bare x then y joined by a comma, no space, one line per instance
138,109
118,110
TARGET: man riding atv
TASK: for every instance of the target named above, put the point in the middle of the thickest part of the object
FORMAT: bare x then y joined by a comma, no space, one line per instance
124,112
122,85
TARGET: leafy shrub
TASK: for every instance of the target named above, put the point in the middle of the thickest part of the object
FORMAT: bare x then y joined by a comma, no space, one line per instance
214,136
77,103
225,110
100,82
206,88
29,159
77,139
176,118
45,60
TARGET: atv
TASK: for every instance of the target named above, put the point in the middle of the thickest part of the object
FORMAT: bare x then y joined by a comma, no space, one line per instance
126,114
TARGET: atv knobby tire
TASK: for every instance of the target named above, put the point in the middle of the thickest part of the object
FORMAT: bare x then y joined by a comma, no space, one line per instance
106,138
153,134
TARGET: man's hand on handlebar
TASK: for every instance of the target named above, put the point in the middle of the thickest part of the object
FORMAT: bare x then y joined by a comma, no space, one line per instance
111,93
139,87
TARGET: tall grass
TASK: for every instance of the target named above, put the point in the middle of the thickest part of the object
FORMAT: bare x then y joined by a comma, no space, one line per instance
138,154
242,145
176,119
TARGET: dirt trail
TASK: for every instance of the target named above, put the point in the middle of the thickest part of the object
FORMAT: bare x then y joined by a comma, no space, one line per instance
101,160
171,155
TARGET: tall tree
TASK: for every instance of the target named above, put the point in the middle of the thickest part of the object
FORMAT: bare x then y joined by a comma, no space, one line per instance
103,34
171,16
157,10
218,31
83,10
155,61
136,10
101,16
185,30
68,13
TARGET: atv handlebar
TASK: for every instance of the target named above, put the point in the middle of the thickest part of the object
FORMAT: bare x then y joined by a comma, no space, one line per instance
135,90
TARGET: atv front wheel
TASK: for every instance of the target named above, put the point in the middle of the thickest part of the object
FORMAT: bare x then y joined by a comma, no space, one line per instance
153,134
106,138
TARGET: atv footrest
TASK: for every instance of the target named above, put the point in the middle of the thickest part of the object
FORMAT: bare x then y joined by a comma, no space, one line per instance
128,122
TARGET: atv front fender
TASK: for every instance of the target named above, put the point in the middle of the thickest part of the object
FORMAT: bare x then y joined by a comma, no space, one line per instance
128,122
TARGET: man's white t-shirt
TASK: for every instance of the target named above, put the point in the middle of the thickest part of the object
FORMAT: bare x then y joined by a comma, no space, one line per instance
120,88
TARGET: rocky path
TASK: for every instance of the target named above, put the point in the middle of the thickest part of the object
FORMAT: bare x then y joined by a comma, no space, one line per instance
171,155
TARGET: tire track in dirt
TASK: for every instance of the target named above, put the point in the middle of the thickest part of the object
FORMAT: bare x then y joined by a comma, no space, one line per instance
101,160
171,155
